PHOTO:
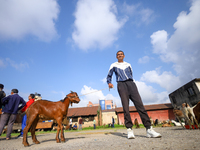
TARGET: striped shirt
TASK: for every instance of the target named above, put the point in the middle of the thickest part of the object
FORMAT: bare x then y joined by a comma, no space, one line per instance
123,72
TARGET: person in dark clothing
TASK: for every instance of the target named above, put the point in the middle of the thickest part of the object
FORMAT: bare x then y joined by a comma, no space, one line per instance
31,101
12,104
2,94
113,122
127,89
80,124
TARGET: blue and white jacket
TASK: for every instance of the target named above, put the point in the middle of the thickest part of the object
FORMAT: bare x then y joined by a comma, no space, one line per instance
123,72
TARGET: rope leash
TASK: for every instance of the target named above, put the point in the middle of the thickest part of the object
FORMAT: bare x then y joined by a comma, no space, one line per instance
96,91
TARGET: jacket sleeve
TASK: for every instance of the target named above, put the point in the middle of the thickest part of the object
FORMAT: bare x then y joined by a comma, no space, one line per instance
5,100
23,104
110,73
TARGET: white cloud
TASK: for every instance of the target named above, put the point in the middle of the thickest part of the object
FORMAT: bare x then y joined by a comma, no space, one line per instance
18,66
182,48
96,24
20,18
104,80
144,60
163,79
2,64
141,15
149,94
94,96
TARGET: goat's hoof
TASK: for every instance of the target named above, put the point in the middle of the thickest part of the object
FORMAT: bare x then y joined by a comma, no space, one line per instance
36,142
63,141
26,144
57,141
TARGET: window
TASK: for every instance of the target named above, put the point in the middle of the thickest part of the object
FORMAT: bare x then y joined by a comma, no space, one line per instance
190,91
108,106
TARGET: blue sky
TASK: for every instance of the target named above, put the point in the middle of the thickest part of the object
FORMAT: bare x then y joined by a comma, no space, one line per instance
52,47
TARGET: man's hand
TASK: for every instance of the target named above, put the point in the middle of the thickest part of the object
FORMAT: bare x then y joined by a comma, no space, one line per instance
110,85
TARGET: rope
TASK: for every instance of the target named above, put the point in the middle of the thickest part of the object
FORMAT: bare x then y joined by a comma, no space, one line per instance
96,91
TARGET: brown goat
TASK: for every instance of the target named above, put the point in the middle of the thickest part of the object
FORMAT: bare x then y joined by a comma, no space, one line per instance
196,111
189,114
46,110
179,115
136,123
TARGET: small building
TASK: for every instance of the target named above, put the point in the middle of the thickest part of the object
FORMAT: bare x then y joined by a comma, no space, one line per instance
88,114
188,93
105,104
107,116
162,112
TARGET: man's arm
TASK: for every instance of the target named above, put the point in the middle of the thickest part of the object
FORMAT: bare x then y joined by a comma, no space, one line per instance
109,77
5,100
23,104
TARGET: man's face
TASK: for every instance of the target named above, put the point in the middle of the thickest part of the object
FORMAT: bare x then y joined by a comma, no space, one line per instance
120,56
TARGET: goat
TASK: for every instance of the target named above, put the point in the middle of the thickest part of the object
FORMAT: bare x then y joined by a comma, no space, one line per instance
152,123
178,124
179,115
156,122
136,123
46,110
189,114
167,124
196,110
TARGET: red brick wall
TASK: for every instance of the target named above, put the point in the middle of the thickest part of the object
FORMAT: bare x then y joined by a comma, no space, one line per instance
157,114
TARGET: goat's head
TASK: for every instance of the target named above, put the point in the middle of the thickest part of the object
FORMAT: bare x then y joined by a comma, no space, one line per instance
73,97
185,105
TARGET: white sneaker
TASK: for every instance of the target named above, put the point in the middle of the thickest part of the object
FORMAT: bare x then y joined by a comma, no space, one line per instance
153,134
130,133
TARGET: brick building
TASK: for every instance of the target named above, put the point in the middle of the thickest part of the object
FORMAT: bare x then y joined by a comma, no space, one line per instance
158,111
88,114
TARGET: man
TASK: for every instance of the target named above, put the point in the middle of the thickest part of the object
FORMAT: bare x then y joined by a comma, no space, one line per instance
2,94
80,124
75,126
113,122
70,123
31,100
94,123
9,112
127,89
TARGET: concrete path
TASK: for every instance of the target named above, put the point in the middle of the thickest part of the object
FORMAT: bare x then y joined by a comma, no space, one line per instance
173,138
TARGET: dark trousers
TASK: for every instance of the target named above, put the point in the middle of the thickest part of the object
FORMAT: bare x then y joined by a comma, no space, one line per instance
128,90
70,126
10,118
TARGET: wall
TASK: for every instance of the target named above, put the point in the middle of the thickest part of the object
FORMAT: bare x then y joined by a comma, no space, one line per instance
161,115
107,117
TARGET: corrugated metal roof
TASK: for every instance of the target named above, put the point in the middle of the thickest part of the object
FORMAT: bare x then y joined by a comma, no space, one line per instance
82,111
148,107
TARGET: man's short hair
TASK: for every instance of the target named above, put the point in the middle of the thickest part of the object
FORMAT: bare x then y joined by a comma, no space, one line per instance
15,90
1,86
32,95
120,51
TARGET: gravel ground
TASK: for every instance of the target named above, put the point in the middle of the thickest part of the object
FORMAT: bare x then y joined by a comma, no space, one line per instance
173,138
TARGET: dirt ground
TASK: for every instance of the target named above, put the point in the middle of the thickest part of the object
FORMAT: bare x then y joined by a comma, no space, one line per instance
173,138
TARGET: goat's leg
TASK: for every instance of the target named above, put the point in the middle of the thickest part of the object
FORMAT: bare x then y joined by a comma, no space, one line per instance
62,134
57,134
187,118
180,121
29,121
33,131
59,121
